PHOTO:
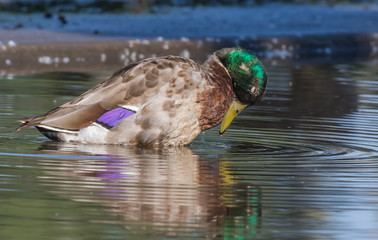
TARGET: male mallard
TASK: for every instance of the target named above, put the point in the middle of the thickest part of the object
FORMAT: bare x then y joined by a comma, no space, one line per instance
167,100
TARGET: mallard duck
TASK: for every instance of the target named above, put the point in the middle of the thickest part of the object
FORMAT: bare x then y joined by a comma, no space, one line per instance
159,101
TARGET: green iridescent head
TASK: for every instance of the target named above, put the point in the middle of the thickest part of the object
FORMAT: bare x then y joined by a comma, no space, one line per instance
247,72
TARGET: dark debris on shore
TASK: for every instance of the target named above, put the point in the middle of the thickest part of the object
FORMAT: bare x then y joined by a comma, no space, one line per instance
51,7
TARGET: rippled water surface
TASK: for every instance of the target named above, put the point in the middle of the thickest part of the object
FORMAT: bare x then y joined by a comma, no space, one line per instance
303,164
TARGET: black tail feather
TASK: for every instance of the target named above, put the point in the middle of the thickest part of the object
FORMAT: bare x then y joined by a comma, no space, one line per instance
53,135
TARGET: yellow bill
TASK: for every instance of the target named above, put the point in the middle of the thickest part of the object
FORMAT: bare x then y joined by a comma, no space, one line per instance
235,108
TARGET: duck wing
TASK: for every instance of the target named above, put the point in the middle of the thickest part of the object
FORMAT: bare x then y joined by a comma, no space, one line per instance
128,88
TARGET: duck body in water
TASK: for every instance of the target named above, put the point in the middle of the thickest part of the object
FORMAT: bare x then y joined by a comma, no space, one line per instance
159,101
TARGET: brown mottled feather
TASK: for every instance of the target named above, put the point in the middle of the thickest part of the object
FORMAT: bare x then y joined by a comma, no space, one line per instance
129,85
176,97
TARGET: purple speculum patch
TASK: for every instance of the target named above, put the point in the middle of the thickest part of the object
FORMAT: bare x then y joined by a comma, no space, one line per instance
112,117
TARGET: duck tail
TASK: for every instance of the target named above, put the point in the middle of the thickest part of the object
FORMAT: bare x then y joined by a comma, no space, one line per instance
25,123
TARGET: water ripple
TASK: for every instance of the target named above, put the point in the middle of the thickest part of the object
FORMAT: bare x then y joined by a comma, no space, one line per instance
304,158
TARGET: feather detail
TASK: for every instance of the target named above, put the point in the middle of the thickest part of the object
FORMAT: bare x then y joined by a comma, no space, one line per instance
166,101
112,117
54,133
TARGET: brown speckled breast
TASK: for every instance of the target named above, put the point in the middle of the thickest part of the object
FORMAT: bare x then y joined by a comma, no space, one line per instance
216,100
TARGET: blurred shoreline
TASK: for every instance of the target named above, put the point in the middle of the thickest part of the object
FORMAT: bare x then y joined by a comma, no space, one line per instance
200,22
279,33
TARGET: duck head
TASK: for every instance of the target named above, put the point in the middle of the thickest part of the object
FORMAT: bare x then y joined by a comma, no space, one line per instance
249,80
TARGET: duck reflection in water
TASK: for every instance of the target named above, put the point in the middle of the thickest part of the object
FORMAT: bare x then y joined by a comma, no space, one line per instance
163,192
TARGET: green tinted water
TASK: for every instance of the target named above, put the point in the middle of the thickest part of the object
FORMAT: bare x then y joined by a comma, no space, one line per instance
303,164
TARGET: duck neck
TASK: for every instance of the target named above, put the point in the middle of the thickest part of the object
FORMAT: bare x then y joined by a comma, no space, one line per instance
217,99
217,73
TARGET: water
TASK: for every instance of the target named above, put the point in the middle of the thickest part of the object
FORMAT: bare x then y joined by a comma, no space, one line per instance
303,164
